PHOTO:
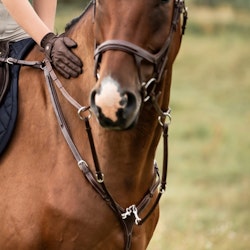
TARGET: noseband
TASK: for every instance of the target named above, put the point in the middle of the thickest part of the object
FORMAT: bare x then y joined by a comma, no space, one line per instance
158,60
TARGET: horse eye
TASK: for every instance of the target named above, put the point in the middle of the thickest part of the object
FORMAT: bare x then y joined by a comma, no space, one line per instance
164,1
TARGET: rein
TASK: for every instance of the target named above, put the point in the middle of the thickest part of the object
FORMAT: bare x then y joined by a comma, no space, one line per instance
129,216
11,60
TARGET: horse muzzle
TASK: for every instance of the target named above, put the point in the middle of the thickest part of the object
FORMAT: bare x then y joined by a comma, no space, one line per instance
114,107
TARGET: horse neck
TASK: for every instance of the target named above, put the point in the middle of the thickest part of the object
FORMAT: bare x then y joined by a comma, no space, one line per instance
126,159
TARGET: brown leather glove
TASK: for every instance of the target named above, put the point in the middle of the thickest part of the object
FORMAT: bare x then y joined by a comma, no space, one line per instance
57,50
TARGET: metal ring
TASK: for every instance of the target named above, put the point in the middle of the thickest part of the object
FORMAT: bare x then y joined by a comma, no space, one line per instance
163,116
168,115
100,179
8,60
162,190
162,122
83,109
145,86
82,163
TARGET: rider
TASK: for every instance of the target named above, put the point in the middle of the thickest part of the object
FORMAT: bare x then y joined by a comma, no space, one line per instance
19,19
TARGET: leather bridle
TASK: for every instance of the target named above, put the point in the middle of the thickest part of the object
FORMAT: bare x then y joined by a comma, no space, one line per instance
159,59
129,216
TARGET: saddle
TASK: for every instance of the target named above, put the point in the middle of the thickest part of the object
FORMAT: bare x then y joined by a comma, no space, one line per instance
9,75
4,69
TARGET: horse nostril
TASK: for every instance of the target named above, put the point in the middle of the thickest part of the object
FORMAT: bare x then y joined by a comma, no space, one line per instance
124,100
129,103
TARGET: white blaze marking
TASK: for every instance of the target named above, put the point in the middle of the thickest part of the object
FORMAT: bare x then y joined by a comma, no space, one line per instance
109,99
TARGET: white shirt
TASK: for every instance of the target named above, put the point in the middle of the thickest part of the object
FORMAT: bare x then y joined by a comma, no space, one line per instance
9,29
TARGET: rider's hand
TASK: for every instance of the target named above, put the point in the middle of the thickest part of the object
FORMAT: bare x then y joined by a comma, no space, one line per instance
58,51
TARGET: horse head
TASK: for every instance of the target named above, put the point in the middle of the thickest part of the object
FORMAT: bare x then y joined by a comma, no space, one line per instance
134,48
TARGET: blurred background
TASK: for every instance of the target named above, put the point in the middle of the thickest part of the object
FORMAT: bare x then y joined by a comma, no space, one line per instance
207,203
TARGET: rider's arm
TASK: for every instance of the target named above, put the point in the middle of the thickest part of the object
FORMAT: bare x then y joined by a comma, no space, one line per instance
37,21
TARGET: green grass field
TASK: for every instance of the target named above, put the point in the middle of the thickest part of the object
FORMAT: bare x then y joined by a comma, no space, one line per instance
207,203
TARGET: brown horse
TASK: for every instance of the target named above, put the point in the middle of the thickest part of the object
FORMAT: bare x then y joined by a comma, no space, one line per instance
46,201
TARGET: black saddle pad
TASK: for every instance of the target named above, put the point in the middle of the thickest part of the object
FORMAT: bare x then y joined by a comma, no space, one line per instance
9,106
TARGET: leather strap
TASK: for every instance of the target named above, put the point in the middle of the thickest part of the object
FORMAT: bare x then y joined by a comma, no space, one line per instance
10,60
164,173
159,60
53,76
98,183
4,69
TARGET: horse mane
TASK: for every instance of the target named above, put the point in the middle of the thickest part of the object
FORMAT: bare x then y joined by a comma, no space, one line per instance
76,19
